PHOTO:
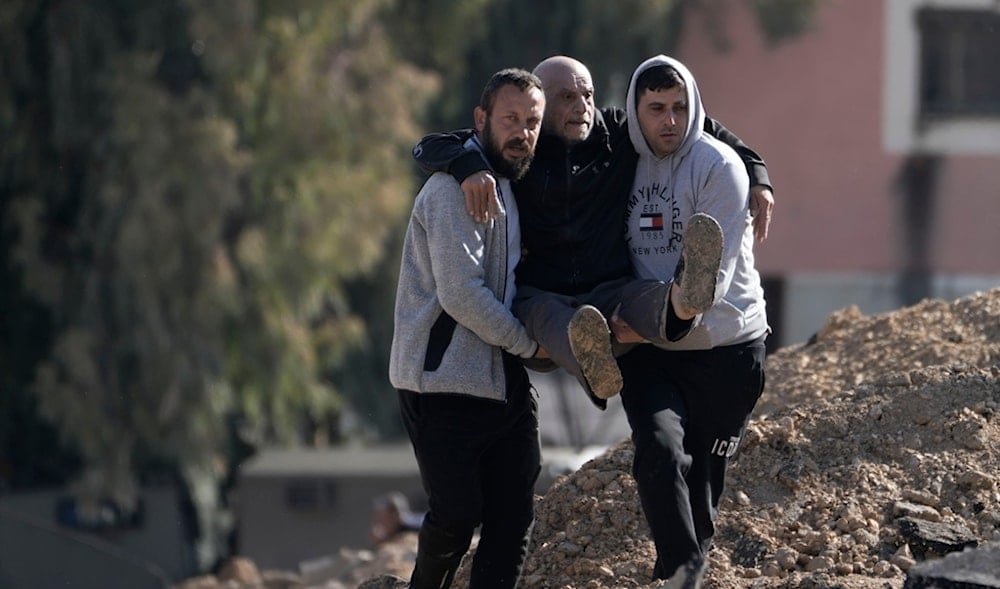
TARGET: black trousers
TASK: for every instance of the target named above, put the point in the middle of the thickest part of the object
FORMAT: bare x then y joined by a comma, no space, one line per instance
688,411
478,461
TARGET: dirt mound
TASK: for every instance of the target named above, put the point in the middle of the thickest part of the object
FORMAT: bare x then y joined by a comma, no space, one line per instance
875,422
875,445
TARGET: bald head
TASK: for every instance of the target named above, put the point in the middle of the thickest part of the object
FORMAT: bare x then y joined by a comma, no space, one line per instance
559,65
569,98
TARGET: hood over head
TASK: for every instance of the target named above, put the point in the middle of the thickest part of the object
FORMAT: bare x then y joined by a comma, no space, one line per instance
696,113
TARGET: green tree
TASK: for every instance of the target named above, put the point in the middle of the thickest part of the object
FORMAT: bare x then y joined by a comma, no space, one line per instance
187,190
610,37
323,104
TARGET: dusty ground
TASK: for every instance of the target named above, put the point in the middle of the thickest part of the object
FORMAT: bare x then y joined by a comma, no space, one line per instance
878,417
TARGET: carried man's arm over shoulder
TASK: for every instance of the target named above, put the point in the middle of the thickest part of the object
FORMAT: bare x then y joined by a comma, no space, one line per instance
761,191
446,152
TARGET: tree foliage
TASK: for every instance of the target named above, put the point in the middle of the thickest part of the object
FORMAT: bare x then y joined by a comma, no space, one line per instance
785,19
611,38
187,190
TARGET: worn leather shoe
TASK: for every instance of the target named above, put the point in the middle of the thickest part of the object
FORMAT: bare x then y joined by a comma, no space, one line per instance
590,340
698,270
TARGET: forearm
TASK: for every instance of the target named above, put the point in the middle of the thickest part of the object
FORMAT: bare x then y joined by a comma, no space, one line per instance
446,152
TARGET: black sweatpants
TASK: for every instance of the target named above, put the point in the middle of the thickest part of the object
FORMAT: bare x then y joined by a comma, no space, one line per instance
687,411
478,461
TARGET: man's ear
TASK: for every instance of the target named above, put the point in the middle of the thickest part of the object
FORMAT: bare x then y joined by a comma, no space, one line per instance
480,116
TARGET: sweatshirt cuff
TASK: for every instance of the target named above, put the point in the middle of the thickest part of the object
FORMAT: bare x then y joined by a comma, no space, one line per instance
466,165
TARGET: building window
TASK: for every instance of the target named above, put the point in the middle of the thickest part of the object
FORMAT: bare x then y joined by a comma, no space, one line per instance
959,74
941,77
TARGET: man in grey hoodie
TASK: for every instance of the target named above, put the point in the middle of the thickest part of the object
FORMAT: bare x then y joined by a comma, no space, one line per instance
464,395
689,395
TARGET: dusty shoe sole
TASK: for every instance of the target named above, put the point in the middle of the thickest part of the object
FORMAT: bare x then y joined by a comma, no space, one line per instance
701,256
590,340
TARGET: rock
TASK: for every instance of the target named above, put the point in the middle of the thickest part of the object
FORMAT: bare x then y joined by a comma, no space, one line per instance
974,479
903,558
787,558
974,568
929,539
924,512
749,552
921,497
819,563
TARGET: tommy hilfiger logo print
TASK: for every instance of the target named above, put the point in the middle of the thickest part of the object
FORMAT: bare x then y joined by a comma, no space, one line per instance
660,227
651,222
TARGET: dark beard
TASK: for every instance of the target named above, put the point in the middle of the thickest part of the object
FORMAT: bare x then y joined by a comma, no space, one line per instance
512,170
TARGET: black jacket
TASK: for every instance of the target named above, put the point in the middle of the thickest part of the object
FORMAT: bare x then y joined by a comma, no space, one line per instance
572,200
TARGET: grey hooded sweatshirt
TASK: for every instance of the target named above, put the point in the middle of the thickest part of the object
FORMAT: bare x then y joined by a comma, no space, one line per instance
702,175
456,285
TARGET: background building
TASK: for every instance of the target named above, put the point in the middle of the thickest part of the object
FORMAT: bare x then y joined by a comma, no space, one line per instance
880,125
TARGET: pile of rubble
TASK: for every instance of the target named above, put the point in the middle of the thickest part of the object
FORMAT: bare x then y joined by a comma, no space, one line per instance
874,451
